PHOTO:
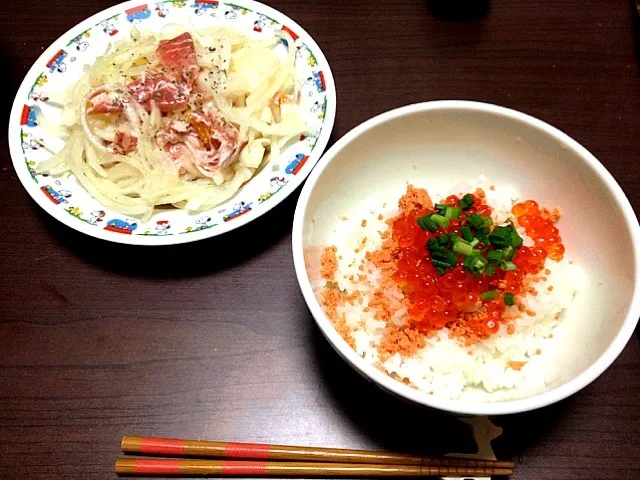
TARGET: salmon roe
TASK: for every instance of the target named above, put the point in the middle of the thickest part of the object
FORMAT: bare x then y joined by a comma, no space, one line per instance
436,300
540,226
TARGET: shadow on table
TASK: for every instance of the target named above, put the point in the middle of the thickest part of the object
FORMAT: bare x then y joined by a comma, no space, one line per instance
396,424
188,259
459,10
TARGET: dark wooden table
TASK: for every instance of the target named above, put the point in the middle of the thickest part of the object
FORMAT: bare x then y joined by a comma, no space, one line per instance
213,340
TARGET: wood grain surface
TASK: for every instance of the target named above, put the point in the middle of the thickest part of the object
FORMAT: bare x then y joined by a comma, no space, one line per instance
213,340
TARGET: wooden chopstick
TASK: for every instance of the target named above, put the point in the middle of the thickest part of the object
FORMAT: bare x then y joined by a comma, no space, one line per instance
258,451
183,467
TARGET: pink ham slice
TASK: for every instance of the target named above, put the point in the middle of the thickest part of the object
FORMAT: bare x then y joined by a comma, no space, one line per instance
124,142
180,140
169,95
179,55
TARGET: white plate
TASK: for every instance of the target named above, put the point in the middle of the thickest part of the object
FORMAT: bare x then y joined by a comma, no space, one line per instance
61,65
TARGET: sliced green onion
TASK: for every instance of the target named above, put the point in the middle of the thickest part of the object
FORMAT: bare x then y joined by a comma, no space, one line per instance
466,202
487,221
508,253
483,237
475,220
452,213
491,294
427,224
501,236
443,239
494,255
474,242
440,263
466,233
439,255
516,240
490,270
440,220
509,299
509,266
441,207
452,259
474,264
463,248
440,270
453,236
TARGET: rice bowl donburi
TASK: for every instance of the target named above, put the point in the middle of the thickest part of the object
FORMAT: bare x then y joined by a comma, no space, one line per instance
448,252
458,297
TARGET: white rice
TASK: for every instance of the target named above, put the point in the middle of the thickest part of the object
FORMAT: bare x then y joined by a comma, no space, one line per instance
445,367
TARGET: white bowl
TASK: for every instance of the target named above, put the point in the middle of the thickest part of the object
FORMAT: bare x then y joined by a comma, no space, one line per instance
446,142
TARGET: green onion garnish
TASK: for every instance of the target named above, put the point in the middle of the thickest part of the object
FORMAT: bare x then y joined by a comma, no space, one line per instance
494,255
491,294
508,253
443,239
463,248
490,270
452,259
440,270
501,236
466,233
509,299
507,265
440,220
474,242
483,235
452,213
466,202
475,220
441,207
440,263
474,264
516,240
439,254
487,221
427,224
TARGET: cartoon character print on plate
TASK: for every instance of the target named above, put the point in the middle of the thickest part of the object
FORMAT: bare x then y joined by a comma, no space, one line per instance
57,195
161,9
239,209
108,26
80,42
57,62
75,211
121,226
202,7
29,116
202,223
138,14
96,217
276,184
296,164
29,142
314,84
162,227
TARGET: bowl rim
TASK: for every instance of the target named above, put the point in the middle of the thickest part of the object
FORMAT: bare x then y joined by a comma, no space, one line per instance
561,392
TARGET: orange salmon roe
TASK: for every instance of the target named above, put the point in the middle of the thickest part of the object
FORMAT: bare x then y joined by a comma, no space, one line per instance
540,226
435,300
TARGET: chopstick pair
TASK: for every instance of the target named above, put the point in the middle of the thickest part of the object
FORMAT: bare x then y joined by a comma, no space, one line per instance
289,461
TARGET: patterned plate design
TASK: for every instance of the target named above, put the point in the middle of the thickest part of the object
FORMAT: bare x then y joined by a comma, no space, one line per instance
62,64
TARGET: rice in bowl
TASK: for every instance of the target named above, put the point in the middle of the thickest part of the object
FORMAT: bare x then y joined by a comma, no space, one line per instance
373,311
